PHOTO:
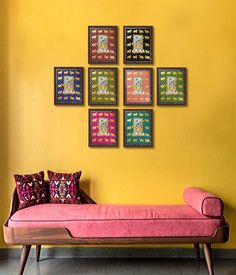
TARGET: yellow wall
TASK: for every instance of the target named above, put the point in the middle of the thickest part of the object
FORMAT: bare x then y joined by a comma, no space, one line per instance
194,145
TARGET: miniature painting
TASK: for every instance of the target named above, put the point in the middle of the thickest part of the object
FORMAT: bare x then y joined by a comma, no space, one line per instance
102,86
138,46
102,42
171,86
68,85
103,130
138,128
137,86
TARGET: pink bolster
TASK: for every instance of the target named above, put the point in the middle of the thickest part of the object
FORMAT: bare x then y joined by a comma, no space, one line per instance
204,202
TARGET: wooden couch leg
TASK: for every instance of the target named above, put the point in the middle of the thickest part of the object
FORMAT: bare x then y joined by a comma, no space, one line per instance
208,257
38,250
197,250
24,256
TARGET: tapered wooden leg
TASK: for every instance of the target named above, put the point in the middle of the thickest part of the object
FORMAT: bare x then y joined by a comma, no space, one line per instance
197,250
24,256
208,256
38,249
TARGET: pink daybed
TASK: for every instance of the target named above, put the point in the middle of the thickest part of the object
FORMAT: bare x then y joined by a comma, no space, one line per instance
200,220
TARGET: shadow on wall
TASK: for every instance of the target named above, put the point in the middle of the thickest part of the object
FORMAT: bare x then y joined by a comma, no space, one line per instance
4,110
230,212
85,186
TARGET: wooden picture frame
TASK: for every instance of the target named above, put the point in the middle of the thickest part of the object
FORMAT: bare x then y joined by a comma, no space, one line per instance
138,86
138,128
102,83
103,128
68,86
138,44
171,86
102,44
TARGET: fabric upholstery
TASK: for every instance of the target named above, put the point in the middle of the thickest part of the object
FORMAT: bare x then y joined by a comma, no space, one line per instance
64,187
204,202
94,221
30,189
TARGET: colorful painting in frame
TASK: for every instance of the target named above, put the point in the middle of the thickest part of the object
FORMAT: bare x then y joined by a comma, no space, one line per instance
138,128
137,86
171,88
68,85
102,41
102,86
103,128
138,44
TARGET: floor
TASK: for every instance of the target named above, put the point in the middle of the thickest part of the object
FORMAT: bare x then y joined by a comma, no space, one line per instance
117,266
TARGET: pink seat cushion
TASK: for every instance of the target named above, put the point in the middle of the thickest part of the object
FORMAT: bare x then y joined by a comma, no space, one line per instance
95,221
204,202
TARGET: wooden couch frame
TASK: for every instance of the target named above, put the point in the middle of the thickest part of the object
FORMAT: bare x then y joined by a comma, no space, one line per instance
61,236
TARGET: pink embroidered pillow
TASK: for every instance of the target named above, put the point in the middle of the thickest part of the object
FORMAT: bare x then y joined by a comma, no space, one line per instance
64,188
30,189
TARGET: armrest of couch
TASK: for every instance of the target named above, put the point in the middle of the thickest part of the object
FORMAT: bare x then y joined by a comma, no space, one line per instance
204,202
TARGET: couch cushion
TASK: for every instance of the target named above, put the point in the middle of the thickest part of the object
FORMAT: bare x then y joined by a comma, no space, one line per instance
204,202
30,189
64,187
94,221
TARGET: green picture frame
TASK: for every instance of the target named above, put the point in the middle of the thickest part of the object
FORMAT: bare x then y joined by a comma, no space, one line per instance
102,83
138,128
171,86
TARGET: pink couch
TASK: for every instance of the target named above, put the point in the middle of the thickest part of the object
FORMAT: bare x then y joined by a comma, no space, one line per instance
200,220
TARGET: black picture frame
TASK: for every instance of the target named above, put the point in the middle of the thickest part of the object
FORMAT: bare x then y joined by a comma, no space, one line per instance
138,44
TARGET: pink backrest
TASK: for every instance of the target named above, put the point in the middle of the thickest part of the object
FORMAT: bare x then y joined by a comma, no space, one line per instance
204,202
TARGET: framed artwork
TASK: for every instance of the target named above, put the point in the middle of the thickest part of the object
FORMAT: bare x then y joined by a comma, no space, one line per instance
68,85
102,41
102,86
171,88
138,44
138,128
137,86
103,128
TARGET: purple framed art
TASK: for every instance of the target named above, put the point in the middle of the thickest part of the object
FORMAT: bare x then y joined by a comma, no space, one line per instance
103,128
68,86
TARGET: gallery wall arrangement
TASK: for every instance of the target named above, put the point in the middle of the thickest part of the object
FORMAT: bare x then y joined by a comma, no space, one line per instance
103,86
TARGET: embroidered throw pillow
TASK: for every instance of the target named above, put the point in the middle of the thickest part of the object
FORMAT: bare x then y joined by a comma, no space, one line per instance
30,189
64,188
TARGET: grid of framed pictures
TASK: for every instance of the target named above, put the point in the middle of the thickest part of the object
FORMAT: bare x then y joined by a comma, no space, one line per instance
137,89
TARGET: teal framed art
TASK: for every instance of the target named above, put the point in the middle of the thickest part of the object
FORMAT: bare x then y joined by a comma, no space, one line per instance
138,128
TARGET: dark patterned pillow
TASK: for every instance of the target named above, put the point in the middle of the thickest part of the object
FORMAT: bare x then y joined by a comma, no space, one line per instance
30,189
64,188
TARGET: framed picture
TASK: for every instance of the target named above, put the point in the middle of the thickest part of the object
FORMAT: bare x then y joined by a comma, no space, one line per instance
138,128
171,88
102,41
103,128
102,86
138,44
68,85
137,86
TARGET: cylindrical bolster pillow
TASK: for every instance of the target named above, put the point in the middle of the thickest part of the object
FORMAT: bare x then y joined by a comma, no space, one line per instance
204,202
